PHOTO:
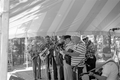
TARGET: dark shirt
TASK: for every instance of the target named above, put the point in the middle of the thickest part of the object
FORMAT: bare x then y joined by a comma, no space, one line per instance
91,62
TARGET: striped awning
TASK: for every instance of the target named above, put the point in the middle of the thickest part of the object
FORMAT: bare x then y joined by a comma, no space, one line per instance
59,17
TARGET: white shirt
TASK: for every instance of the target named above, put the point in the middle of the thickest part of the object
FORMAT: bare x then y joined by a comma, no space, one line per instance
110,70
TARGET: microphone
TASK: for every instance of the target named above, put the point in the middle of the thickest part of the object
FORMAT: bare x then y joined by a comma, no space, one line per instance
113,29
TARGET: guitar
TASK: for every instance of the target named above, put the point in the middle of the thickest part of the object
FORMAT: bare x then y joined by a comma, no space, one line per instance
35,51
36,55
99,68
98,72
66,57
44,54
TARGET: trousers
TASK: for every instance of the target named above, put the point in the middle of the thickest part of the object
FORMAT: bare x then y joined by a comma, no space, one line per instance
68,73
76,74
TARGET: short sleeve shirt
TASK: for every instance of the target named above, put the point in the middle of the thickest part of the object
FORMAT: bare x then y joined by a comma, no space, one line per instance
110,70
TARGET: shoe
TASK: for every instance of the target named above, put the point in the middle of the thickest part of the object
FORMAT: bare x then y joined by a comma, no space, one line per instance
39,78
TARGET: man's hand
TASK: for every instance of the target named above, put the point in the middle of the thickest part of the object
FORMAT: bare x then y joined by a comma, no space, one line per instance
91,74
97,76
65,52
62,52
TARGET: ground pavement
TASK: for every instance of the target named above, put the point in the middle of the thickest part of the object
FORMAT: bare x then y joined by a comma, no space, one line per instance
27,74
23,73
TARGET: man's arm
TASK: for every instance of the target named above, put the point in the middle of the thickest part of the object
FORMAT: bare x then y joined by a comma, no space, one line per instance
105,72
76,54
98,76
79,50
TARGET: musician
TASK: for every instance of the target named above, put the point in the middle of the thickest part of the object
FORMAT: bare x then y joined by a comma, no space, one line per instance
90,57
61,43
78,53
67,58
59,57
50,58
40,47
90,47
33,52
110,69
90,63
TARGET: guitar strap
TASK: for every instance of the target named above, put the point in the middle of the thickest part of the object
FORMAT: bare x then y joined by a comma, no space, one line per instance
80,63
102,65
97,68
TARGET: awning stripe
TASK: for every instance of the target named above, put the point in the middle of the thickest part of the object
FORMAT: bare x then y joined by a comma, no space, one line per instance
113,23
92,14
82,15
66,7
49,18
73,12
37,21
23,7
20,29
118,25
102,14
64,17
115,11
60,15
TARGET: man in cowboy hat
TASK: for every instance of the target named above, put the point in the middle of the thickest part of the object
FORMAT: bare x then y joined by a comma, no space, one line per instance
79,50
34,48
90,57
110,69
67,58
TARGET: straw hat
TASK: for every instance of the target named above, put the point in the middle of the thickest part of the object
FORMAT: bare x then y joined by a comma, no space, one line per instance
76,34
84,37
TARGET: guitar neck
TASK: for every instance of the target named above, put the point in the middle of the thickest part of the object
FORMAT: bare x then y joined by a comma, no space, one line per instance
83,74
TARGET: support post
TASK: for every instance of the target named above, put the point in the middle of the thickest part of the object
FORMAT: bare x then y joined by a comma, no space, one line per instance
4,39
26,51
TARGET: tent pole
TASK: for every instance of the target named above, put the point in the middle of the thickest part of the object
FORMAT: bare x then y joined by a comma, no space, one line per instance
0,32
26,51
4,39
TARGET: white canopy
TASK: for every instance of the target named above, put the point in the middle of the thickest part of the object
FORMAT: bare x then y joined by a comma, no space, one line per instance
48,17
